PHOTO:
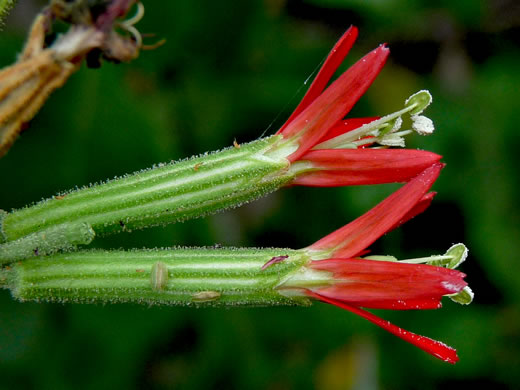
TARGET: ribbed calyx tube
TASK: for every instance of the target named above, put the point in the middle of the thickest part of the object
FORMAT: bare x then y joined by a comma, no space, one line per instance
46,242
176,276
163,194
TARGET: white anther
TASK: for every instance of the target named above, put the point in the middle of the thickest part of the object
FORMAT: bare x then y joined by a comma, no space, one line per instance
392,140
422,124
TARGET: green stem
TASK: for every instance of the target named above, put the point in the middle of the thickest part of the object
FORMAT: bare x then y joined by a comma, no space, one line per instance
65,236
163,194
202,276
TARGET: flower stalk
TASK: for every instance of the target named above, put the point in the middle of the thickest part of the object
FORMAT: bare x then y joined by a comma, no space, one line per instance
65,236
167,193
296,155
332,270
207,276
317,146
177,276
230,277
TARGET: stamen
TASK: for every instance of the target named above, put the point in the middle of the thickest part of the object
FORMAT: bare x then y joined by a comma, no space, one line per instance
419,101
153,46
422,124
366,129
137,17
464,297
128,25
429,260
135,34
383,130
380,258
453,257
391,140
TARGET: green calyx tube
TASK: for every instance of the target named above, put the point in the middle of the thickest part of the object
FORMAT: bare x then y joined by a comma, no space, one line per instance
176,276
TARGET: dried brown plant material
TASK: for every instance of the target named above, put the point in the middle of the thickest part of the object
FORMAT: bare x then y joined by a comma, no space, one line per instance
39,70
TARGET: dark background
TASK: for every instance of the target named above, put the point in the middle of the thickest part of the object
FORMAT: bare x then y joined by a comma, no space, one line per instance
232,69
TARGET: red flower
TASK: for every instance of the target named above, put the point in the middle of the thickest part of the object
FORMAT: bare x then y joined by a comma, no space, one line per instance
319,118
337,275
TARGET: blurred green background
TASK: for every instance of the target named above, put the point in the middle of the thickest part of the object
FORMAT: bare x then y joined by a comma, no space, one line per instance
234,70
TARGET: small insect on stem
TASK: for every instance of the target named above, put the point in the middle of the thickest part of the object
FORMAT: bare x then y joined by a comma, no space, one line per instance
205,296
197,166
159,276
274,260
236,144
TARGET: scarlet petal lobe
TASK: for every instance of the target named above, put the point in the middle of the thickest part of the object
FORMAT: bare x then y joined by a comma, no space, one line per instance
335,102
433,347
355,237
342,167
331,64
388,284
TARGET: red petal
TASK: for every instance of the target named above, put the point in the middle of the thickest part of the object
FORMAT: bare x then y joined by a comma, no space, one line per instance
388,285
346,126
360,233
387,304
422,205
343,167
433,347
335,102
405,304
331,64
